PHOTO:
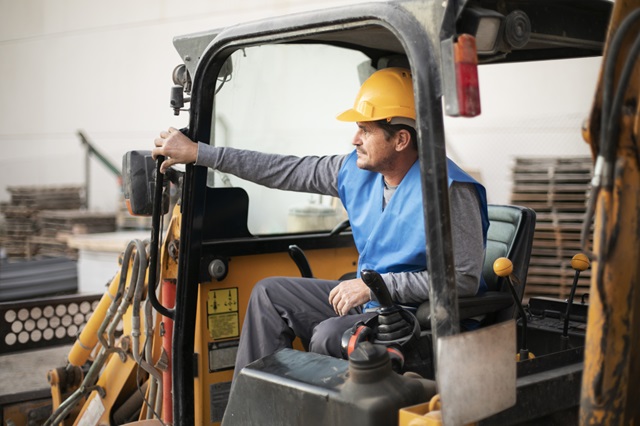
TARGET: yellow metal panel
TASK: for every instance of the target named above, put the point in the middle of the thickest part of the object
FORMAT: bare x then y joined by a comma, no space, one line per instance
114,379
222,306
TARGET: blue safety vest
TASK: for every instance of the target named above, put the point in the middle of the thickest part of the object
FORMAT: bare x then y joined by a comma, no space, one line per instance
393,239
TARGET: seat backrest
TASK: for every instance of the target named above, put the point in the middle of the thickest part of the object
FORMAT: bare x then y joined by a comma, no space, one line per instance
510,235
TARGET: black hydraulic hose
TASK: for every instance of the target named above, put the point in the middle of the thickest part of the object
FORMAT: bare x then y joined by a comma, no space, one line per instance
609,120
153,243
613,128
608,147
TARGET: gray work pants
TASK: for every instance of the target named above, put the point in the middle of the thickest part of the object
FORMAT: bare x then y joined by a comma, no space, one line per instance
281,308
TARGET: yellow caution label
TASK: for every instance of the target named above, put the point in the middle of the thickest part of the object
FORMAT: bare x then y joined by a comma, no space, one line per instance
224,326
222,313
225,300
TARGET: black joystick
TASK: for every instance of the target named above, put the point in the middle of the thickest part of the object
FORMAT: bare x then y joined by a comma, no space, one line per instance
376,284
392,325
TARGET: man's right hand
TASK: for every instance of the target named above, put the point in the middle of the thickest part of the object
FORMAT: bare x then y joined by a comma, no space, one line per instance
175,147
349,294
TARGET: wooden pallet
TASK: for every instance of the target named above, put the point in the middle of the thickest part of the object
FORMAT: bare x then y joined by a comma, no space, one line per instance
56,226
39,220
21,223
557,189
47,197
54,222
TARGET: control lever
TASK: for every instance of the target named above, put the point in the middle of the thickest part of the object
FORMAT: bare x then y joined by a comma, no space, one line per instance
503,267
299,258
376,284
154,243
391,324
393,327
579,263
345,224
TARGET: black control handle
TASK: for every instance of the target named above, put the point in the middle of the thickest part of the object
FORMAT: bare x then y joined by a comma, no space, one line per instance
579,263
155,241
301,261
374,281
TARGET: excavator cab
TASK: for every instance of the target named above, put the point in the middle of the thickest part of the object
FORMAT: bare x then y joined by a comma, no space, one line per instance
202,268
326,55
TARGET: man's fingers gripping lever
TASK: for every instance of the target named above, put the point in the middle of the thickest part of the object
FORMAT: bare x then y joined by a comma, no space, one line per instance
392,324
175,147
348,295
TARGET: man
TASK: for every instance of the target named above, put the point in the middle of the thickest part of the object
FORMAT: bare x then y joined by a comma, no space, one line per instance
379,185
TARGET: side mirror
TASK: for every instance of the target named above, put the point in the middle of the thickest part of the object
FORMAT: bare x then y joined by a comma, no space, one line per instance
138,183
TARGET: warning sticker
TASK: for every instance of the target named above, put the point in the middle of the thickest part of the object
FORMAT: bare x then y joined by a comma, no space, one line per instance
223,326
94,412
224,300
222,310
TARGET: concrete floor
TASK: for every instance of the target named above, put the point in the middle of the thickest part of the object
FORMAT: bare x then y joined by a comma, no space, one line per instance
27,371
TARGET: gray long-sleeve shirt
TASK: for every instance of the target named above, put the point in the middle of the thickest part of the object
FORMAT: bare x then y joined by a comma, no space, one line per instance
319,175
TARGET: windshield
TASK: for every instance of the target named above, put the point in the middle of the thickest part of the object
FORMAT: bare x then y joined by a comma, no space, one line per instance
284,99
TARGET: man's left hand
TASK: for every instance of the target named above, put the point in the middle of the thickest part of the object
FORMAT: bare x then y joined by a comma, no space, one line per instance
175,147
348,295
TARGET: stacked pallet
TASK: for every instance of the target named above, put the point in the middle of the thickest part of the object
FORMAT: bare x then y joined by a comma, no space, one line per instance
21,223
47,197
39,220
557,189
22,212
56,226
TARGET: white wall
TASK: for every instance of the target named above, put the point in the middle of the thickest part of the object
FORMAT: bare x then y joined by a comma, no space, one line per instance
105,67
527,110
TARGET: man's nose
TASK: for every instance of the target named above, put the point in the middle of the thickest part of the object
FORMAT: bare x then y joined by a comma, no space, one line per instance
356,139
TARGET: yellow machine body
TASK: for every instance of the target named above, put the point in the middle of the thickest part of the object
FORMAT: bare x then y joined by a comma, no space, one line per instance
224,324
611,378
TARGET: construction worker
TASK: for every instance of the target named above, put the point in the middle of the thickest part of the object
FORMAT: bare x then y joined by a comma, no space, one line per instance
379,185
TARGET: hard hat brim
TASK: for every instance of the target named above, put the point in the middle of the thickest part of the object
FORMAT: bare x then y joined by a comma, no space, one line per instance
351,115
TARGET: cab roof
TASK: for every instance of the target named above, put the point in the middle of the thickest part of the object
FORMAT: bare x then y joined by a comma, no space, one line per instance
557,28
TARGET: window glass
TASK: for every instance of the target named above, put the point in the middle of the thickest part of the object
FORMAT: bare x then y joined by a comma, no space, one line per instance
283,99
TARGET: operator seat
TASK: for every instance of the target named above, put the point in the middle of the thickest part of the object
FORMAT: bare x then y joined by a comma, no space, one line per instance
510,235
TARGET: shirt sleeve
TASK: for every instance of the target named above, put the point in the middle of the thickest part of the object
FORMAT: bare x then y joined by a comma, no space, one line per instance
313,174
468,251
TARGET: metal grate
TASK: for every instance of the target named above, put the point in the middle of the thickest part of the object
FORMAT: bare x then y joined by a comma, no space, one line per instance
34,324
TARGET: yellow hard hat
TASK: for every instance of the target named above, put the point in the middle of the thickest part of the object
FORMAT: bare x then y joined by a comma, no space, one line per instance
386,94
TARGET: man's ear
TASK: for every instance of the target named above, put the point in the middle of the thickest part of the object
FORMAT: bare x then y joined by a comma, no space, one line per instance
403,140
